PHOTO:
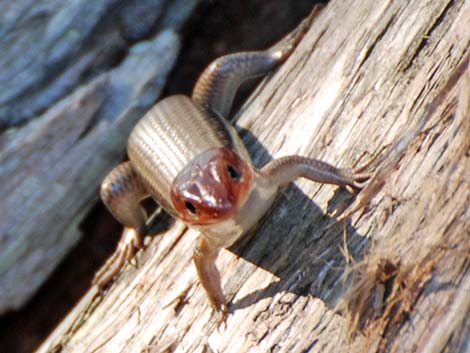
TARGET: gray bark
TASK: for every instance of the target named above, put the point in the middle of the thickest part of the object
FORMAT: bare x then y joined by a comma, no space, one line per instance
66,109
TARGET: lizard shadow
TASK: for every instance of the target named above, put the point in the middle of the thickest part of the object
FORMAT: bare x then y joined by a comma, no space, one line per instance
297,242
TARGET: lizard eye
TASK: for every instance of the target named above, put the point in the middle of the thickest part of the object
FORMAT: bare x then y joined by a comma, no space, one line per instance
190,207
234,174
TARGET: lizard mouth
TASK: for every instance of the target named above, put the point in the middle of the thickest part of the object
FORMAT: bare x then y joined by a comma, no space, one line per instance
212,187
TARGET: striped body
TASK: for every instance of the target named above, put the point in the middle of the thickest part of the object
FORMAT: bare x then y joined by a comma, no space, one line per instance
169,136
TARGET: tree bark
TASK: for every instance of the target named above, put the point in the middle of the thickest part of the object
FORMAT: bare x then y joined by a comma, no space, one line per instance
385,79
62,56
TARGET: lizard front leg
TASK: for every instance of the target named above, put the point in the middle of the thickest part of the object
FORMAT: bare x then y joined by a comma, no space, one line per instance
205,255
121,192
286,169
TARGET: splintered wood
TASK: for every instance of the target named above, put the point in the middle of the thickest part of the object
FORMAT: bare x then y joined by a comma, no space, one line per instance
370,79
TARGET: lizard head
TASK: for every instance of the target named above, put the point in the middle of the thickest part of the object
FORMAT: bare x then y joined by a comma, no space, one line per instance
212,187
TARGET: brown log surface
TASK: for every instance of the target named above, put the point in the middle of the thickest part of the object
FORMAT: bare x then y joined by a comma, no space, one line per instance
363,81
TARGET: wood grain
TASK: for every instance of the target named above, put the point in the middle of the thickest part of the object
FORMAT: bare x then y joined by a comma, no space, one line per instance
356,85
52,160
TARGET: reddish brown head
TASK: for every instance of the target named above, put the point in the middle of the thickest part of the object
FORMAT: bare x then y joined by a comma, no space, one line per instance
211,187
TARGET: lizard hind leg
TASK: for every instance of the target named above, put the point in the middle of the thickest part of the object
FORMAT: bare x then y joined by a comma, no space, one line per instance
217,85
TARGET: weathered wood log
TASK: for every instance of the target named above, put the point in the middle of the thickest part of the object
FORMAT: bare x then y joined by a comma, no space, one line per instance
388,78
63,56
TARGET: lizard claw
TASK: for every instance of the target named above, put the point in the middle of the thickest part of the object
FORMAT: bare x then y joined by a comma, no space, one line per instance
286,46
222,314
361,174
128,245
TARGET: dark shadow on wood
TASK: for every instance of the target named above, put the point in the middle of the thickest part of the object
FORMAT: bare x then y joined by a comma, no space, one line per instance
298,242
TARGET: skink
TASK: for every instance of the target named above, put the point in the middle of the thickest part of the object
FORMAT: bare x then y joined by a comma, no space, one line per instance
190,160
